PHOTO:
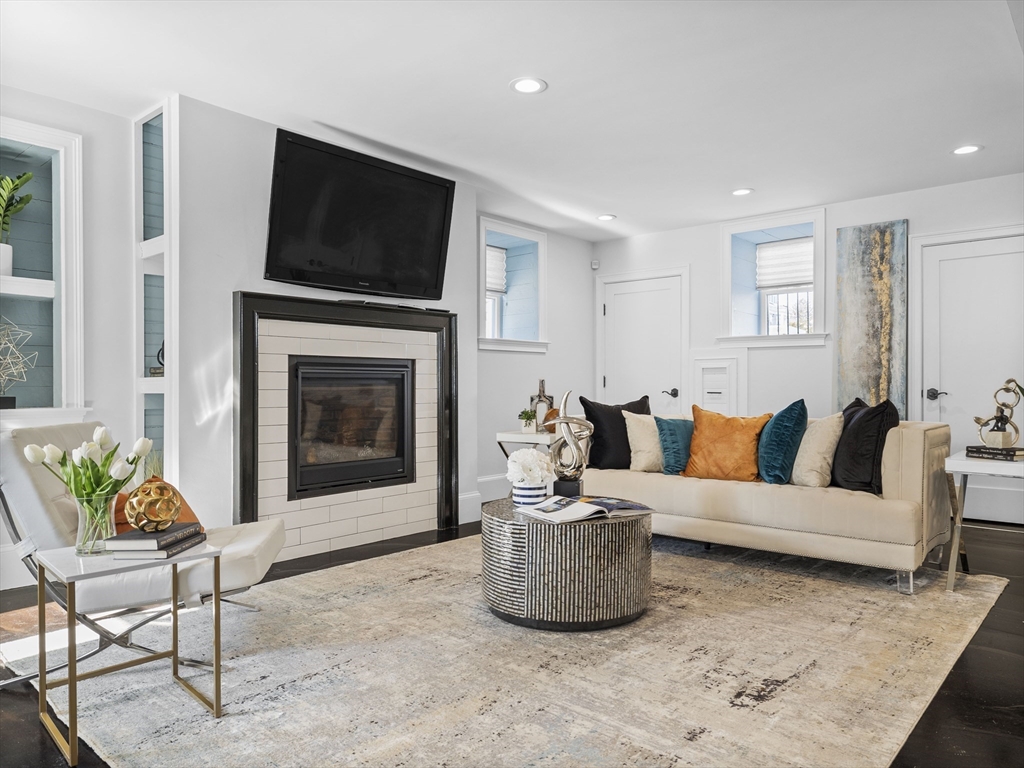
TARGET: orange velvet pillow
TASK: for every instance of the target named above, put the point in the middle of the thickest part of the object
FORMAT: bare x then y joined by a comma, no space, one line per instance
724,447
121,524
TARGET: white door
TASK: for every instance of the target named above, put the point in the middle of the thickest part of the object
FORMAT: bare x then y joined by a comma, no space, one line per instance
645,342
973,341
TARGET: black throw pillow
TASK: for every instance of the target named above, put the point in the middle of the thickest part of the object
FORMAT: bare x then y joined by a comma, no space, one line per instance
609,446
857,465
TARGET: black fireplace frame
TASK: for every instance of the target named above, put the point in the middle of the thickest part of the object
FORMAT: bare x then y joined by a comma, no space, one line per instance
312,481
249,308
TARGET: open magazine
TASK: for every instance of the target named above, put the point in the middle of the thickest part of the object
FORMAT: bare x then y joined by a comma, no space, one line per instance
568,509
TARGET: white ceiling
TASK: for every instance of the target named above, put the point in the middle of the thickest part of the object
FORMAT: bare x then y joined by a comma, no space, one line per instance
655,110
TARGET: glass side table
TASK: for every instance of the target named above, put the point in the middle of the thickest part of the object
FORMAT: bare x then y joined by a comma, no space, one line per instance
64,566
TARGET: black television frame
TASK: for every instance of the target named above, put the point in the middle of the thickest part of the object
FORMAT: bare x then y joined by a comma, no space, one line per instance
354,283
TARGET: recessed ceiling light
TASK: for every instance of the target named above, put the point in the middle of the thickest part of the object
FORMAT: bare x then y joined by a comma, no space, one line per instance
528,85
744,191
606,217
967,149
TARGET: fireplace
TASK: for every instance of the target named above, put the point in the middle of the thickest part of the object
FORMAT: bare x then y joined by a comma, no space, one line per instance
371,449
351,423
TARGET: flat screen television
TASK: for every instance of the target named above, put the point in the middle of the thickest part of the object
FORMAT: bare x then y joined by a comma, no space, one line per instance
350,222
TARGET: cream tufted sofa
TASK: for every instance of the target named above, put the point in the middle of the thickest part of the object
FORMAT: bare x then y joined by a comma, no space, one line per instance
895,530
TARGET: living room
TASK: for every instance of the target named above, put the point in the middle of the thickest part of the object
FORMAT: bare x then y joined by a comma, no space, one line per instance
653,113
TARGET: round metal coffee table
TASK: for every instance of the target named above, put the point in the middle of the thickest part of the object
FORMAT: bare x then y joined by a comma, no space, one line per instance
568,577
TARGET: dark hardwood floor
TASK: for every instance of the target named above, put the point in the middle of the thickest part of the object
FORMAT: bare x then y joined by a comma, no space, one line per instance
975,721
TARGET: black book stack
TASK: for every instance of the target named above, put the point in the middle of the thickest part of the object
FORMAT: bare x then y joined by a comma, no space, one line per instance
1015,453
158,545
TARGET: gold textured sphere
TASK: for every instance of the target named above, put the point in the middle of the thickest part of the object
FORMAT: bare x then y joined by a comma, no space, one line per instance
153,506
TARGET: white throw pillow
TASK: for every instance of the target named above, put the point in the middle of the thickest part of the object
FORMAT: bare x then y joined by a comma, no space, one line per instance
813,466
644,443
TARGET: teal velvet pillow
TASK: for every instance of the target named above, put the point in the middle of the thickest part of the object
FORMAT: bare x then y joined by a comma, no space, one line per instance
779,443
675,436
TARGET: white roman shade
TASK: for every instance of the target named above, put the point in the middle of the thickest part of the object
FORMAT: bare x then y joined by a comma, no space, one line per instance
785,263
495,269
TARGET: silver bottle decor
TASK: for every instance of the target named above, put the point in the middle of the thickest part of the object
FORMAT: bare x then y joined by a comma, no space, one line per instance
541,403
569,439
998,436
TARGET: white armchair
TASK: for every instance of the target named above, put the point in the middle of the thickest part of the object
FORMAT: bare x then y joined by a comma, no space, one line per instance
39,516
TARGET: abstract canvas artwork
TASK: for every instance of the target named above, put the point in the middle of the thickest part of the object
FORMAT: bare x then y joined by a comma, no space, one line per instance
871,314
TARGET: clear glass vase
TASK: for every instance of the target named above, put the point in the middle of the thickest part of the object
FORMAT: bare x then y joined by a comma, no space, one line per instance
95,524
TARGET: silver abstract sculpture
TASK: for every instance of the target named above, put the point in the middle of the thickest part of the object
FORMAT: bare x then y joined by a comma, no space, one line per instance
570,439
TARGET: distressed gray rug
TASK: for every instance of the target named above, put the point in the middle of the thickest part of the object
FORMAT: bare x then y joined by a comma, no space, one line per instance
744,658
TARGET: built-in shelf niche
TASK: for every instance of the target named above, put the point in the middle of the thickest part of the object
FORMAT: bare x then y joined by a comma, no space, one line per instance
43,295
154,416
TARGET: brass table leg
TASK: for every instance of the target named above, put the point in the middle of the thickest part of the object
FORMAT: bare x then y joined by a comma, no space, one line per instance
216,636
958,518
214,704
69,746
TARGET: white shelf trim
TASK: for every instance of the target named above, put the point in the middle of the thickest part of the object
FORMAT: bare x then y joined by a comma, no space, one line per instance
27,287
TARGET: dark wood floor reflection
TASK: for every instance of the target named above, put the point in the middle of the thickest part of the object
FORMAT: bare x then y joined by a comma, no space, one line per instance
975,721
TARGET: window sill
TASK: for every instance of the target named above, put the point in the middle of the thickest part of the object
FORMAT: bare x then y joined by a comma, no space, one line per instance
769,342
513,345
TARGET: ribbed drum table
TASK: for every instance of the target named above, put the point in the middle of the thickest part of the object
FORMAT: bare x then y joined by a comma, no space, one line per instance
569,577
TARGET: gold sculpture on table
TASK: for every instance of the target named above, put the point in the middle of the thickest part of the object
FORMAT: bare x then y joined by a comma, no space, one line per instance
998,436
153,506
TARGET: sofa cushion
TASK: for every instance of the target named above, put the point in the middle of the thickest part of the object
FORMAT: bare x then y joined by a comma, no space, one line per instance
780,441
813,465
857,465
644,445
675,436
609,445
724,447
827,511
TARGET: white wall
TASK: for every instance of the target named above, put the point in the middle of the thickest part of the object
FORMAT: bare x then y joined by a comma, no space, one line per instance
771,379
225,170
107,257
508,379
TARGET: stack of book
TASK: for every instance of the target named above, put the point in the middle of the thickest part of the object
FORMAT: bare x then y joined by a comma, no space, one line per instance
1015,453
159,545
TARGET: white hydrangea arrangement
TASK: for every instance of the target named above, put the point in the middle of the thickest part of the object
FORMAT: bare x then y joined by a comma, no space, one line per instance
530,466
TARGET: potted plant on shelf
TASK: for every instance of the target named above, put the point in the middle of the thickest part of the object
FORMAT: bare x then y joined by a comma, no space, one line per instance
528,420
10,205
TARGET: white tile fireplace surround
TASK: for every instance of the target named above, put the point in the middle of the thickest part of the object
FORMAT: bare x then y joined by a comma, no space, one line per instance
337,521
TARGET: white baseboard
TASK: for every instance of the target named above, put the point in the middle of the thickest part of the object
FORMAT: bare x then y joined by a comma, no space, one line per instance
469,507
493,487
997,505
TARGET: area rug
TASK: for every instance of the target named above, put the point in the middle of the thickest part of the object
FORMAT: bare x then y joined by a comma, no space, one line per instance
743,659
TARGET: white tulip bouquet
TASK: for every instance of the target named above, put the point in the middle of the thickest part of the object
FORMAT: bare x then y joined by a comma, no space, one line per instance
93,475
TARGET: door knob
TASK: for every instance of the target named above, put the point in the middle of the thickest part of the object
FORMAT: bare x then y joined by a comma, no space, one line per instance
673,393
933,393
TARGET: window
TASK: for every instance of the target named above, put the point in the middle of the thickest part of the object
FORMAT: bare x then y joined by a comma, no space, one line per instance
513,272
785,281
774,270
496,285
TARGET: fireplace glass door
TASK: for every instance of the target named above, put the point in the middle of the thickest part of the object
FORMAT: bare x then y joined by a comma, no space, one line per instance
351,424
